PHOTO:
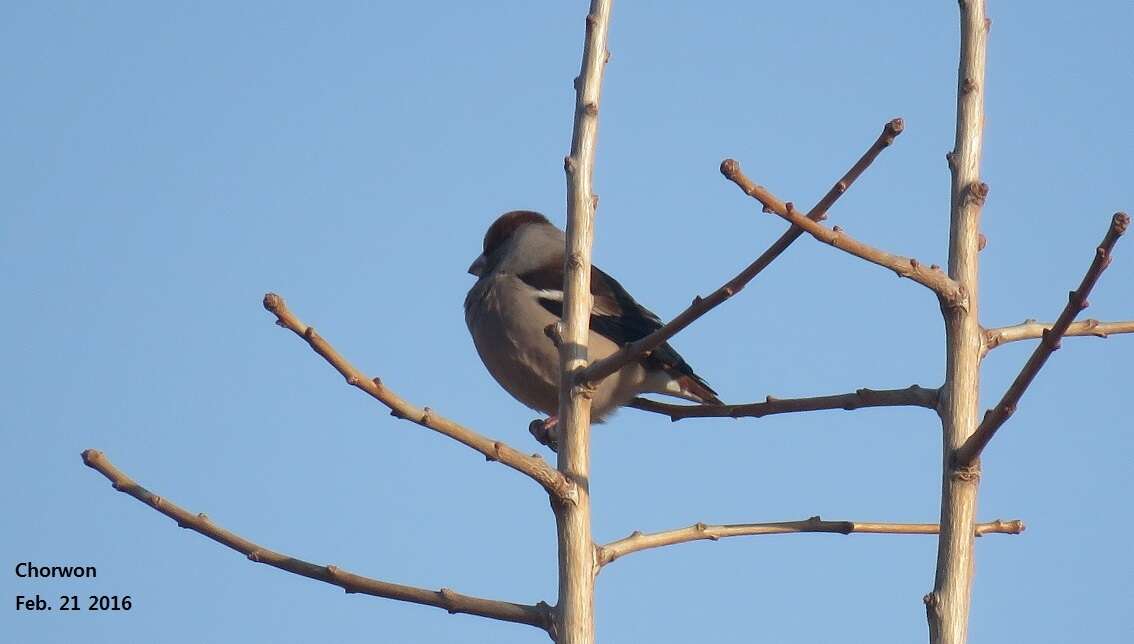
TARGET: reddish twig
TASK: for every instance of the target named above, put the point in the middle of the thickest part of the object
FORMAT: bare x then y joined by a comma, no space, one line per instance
493,450
931,277
912,396
538,615
970,451
638,541
600,369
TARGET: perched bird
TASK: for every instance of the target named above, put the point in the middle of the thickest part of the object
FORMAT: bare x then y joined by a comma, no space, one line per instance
519,293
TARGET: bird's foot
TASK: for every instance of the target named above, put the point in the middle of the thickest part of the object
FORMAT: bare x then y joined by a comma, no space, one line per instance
546,432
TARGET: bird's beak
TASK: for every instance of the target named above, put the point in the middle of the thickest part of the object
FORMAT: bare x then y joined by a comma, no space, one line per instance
477,267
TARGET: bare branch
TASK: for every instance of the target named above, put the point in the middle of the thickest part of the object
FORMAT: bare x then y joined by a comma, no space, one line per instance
912,396
600,369
1030,330
638,541
575,623
967,454
947,605
931,277
535,467
538,615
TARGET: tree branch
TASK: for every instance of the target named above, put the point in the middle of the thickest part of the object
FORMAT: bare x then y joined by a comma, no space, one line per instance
932,277
912,396
947,605
575,623
538,615
600,369
1030,330
638,541
970,451
493,450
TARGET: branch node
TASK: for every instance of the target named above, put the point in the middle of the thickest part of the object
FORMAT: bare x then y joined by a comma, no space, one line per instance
1120,222
272,302
967,473
977,193
447,597
494,455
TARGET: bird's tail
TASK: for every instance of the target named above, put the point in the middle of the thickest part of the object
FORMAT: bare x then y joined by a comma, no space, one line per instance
686,386
700,389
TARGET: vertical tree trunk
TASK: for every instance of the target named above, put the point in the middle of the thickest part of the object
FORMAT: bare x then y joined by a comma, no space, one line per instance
577,557
948,605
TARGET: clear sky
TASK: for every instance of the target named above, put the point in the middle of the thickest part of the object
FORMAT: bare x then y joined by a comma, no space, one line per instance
164,165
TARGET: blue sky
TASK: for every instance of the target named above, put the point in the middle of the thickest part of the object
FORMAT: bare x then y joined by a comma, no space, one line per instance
165,165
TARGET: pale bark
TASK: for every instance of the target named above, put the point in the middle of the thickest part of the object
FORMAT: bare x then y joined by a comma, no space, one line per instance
553,481
947,606
929,276
538,615
638,541
577,566
1032,330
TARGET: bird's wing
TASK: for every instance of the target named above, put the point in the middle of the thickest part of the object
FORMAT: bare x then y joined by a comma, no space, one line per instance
617,316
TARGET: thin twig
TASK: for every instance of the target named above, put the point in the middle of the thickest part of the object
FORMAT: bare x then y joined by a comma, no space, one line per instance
967,454
638,541
1030,330
493,450
538,615
912,396
931,277
600,369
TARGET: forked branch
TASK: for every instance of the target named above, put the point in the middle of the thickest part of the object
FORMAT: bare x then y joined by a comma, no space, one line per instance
931,277
600,369
1030,330
970,451
912,396
493,450
643,541
538,615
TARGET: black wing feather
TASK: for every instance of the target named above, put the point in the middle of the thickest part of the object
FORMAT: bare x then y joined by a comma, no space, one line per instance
616,315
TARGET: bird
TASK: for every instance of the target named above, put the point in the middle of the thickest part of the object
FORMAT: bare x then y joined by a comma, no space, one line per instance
518,295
